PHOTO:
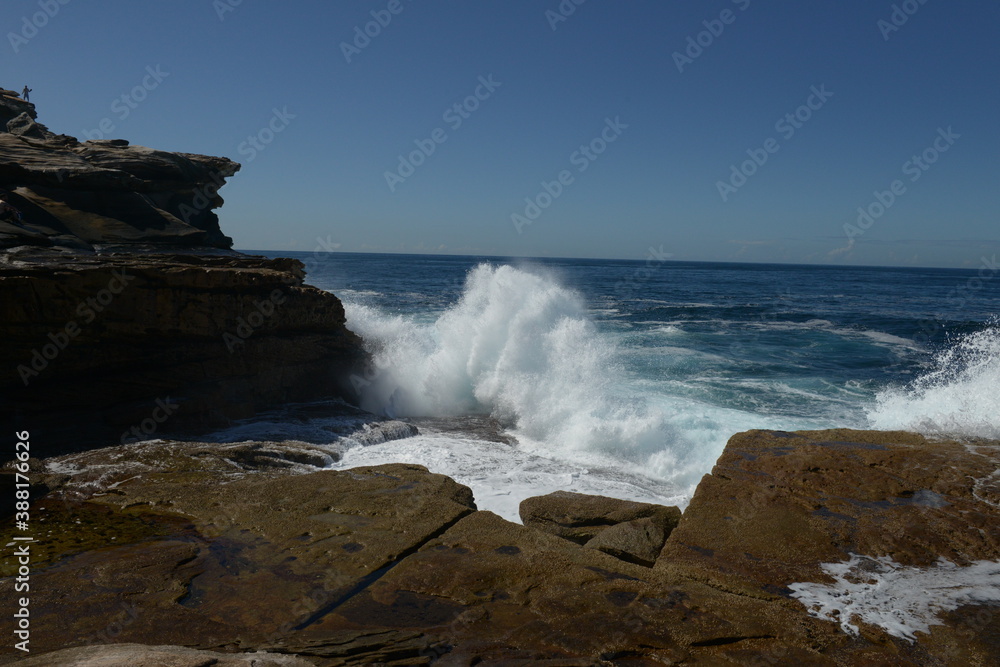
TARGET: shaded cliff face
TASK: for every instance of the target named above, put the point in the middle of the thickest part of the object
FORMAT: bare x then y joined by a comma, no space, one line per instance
104,192
124,347
124,315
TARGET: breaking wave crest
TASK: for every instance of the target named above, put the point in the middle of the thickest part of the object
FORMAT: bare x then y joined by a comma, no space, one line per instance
519,346
958,397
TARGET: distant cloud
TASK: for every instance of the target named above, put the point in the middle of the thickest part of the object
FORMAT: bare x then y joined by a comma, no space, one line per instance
846,250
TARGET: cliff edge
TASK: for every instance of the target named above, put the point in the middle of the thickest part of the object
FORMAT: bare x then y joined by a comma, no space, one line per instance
75,194
123,312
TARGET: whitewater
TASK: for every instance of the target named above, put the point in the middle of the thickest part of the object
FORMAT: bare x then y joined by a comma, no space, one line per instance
525,378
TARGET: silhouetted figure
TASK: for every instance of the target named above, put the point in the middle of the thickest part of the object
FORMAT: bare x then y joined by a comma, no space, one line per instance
8,213
24,94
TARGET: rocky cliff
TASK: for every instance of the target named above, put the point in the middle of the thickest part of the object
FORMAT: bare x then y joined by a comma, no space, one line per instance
122,312
76,194
810,548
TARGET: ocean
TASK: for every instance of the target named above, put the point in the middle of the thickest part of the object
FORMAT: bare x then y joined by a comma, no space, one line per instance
626,378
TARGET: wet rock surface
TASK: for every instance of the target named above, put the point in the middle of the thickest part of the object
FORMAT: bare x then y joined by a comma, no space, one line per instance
217,550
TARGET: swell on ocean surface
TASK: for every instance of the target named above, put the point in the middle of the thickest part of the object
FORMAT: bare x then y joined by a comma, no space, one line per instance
958,396
522,348
520,385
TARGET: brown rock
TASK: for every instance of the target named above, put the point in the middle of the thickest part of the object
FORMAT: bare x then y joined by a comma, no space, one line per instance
139,655
778,506
77,194
638,541
98,342
214,547
184,559
167,329
580,517
491,591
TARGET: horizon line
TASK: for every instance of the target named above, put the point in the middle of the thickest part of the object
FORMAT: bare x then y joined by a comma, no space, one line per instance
613,259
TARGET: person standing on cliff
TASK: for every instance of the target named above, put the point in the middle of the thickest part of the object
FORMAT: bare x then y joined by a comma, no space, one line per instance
24,94
8,213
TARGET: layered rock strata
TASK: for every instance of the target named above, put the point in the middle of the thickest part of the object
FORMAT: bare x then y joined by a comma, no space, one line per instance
120,348
75,194
123,313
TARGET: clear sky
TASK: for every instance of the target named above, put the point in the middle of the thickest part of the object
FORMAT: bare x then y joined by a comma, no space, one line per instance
678,125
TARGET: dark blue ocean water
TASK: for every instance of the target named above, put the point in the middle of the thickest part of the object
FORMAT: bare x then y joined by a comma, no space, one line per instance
622,371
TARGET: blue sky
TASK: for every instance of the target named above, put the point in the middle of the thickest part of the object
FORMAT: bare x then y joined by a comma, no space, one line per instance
226,68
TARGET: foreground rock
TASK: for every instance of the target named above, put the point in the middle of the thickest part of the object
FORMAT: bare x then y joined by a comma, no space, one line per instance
893,510
202,546
137,655
628,530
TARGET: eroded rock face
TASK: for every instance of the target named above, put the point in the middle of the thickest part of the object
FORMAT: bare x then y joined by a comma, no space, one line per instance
75,194
119,348
638,541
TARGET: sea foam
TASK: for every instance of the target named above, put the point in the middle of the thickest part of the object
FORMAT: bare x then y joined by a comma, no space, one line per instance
959,396
901,600
521,347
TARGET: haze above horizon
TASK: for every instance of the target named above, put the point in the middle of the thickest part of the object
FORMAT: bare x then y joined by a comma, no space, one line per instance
855,133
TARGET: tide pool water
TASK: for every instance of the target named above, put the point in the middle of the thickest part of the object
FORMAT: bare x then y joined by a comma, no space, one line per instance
627,378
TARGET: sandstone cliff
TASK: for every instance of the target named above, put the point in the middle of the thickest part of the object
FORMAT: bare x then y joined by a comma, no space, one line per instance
104,192
122,312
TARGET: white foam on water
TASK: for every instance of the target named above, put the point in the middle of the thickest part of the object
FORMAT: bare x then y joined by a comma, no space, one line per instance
901,600
959,396
881,338
892,340
521,347
501,475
